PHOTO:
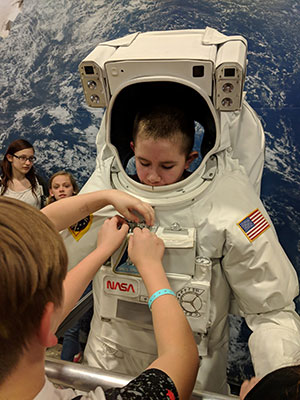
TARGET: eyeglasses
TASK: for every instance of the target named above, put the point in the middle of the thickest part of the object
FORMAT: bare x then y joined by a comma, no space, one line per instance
24,158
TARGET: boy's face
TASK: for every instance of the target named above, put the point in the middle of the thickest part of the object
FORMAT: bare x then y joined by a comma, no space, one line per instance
160,162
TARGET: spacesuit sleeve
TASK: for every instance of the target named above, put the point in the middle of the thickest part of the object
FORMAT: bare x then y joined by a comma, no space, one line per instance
264,284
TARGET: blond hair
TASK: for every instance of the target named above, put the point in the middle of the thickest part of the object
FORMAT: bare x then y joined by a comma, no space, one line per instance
33,264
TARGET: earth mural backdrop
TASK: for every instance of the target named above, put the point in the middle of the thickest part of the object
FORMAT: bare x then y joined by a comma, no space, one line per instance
41,98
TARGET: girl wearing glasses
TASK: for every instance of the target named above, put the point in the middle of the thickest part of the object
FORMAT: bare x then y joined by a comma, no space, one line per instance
18,179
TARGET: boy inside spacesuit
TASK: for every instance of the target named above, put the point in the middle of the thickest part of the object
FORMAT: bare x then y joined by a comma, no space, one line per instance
162,142
215,211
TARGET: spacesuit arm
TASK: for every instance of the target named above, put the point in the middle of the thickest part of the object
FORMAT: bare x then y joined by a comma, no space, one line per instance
72,209
264,284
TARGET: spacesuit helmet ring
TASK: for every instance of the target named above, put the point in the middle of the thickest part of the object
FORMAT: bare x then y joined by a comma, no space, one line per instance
133,98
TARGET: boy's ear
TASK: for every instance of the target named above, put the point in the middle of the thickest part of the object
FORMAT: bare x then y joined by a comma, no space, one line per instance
132,146
50,192
45,335
190,158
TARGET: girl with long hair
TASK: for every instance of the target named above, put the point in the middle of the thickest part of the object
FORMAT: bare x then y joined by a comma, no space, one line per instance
18,178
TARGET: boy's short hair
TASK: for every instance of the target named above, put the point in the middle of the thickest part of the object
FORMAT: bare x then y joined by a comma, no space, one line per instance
33,264
165,122
281,384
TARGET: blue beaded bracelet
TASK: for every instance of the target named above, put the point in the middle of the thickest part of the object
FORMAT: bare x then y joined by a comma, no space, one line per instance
159,293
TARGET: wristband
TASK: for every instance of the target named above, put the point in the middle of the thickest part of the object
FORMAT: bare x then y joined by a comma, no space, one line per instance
159,293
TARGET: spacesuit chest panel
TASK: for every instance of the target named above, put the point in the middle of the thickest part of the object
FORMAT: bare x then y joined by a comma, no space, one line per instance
124,296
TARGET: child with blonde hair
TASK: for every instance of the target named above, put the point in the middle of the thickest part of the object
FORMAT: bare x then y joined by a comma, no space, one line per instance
61,185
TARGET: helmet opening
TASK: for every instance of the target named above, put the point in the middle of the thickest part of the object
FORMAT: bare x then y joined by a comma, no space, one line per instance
138,96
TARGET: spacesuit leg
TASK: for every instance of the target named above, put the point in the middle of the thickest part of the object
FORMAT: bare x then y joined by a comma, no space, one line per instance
104,353
212,375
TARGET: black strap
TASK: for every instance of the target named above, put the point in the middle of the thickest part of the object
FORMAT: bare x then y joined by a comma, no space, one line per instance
76,398
44,189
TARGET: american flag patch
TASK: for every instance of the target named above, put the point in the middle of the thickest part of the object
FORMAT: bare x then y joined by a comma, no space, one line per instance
253,225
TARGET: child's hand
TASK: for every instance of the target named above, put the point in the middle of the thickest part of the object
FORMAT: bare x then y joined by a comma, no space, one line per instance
247,386
145,247
111,234
126,204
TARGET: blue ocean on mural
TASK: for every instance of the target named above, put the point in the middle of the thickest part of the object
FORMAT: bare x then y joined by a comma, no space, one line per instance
41,98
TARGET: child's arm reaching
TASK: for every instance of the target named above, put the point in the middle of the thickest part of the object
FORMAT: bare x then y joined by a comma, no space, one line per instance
177,350
68,211
110,237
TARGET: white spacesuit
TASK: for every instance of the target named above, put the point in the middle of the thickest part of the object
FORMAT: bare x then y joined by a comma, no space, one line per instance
220,242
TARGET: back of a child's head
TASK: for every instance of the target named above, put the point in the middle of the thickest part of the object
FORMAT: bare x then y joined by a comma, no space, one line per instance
282,384
33,264
165,121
